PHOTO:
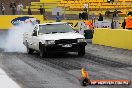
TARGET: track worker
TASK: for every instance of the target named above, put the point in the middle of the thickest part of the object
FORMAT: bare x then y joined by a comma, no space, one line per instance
58,18
81,27
89,25
127,24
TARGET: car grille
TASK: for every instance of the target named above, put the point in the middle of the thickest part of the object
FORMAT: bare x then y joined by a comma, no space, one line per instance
66,41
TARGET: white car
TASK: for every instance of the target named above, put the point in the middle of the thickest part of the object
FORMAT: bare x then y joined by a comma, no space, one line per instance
54,37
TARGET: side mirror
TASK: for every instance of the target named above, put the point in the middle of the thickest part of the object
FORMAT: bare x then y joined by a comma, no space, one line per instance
34,33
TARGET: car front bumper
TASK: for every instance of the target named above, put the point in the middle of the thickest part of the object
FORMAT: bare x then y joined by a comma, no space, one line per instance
60,47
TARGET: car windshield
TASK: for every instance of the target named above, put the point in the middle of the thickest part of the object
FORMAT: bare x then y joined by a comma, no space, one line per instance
55,28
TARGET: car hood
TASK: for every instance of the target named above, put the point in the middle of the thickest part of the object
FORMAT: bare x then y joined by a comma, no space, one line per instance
57,36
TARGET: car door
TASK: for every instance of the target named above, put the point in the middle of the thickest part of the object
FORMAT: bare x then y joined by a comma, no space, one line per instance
35,39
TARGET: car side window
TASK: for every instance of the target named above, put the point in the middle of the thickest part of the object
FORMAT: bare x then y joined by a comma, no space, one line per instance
35,31
42,29
36,27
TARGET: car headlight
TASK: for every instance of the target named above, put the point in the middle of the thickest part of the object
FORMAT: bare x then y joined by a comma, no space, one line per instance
49,42
81,40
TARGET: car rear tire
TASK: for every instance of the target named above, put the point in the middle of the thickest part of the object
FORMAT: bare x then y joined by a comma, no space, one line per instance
81,52
42,51
29,50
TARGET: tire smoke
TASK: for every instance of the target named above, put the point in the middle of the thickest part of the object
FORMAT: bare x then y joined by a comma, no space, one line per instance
14,38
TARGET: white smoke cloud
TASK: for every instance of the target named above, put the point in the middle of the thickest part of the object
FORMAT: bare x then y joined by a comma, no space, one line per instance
14,38
2,38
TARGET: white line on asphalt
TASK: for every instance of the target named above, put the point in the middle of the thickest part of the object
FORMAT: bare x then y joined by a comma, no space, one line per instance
6,81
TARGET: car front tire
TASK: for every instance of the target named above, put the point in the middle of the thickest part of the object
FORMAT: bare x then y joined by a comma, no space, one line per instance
81,52
42,51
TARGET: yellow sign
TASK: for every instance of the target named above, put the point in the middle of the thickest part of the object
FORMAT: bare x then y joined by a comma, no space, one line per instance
7,21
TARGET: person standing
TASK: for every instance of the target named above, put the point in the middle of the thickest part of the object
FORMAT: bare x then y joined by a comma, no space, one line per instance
2,9
42,10
100,17
82,27
13,8
11,4
115,14
20,9
29,11
107,13
14,4
93,19
58,18
85,7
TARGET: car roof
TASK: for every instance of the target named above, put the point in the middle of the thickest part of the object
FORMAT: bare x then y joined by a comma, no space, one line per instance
53,23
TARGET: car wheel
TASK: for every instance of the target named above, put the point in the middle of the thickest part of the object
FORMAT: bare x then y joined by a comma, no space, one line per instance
82,52
42,52
29,50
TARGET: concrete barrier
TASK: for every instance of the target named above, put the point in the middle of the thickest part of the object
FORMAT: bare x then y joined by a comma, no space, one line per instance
7,21
119,38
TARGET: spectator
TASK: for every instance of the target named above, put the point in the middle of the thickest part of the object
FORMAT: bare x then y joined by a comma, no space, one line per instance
14,4
29,11
11,4
112,24
83,15
129,13
58,18
80,15
107,13
124,24
20,9
29,1
93,19
100,17
13,10
2,9
85,7
42,10
115,13
86,16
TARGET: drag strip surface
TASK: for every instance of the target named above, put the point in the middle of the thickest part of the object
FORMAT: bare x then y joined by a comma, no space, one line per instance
61,70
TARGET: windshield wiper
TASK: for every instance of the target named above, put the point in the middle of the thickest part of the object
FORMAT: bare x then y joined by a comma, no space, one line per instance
47,33
62,32
54,32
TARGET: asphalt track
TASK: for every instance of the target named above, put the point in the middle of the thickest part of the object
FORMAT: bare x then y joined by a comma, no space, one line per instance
61,70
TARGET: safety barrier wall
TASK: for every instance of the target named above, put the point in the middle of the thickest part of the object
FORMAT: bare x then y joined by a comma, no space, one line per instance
6,21
119,38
